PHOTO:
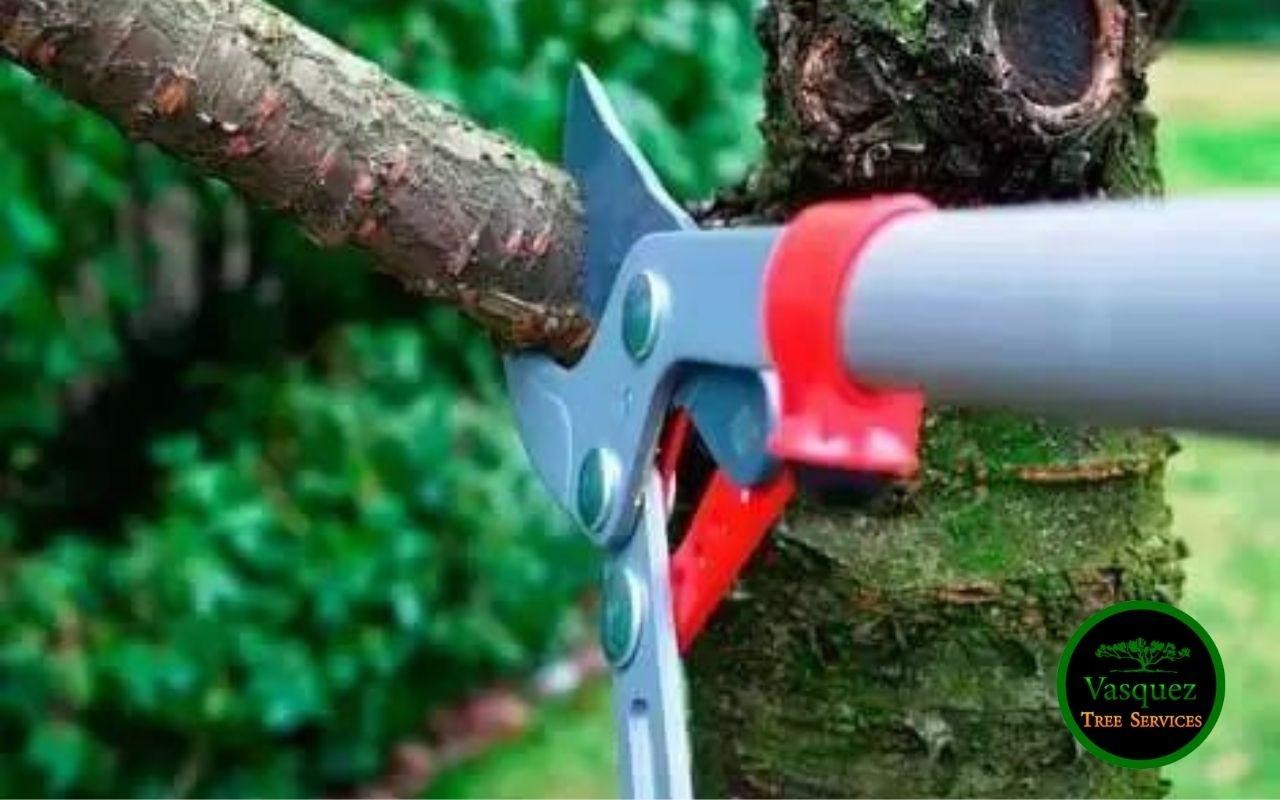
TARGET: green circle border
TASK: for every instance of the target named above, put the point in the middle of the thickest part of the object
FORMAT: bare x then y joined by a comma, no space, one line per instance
1107,613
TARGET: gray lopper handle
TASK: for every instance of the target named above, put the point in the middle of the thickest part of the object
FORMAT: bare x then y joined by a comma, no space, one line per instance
1161,314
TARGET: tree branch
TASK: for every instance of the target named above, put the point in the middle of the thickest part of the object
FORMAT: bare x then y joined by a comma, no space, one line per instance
292,120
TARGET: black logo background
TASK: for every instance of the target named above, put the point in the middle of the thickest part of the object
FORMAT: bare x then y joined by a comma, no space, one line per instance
1126,741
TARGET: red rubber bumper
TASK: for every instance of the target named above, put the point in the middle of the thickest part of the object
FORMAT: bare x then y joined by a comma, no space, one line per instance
828,418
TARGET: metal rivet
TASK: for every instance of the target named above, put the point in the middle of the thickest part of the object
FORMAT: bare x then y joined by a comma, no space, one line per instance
597,488
621,615
642,315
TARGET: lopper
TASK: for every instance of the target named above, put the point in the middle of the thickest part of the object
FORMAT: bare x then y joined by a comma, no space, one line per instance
812,347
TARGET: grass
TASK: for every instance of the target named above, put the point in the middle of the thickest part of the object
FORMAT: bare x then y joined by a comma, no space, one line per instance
1220,130
1227,506
1220,119
567,753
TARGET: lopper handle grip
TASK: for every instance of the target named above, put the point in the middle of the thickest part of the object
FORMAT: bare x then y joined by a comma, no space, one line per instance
1152,314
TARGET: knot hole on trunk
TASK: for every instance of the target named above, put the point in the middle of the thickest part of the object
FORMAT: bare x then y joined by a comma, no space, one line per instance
1052,47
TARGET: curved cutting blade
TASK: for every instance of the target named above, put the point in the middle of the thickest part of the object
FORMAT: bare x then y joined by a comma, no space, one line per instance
624,202
624,199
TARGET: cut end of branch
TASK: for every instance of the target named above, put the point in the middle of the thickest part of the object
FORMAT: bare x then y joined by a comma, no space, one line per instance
1049,46
1063,56
997,101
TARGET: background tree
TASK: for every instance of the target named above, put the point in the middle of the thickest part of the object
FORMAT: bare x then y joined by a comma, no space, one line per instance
1231,21
906,648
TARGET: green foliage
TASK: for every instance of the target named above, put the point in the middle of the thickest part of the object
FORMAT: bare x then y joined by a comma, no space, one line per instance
684,73
259,513
53,328
345,550
1231,21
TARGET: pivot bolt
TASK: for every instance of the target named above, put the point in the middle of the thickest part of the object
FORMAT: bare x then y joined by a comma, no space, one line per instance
642,314
597,488
621,615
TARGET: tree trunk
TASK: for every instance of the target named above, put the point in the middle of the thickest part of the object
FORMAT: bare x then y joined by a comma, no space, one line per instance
245,93
910,647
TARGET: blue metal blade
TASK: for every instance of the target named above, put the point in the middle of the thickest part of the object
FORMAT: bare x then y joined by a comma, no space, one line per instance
624,199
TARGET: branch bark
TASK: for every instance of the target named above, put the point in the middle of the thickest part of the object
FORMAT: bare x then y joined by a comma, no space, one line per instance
296,123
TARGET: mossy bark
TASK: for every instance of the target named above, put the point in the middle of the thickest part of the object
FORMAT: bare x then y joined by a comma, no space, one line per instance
909,646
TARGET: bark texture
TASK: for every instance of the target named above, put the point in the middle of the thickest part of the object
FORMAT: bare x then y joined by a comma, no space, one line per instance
290,119
909,647
968,101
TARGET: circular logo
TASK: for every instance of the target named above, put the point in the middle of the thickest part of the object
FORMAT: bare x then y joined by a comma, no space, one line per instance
1140,684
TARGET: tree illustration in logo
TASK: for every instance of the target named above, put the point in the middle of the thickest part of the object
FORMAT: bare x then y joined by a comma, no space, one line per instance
1146,654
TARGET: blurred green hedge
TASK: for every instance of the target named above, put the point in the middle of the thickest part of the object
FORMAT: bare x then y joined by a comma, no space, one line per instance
1231,21
259,513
